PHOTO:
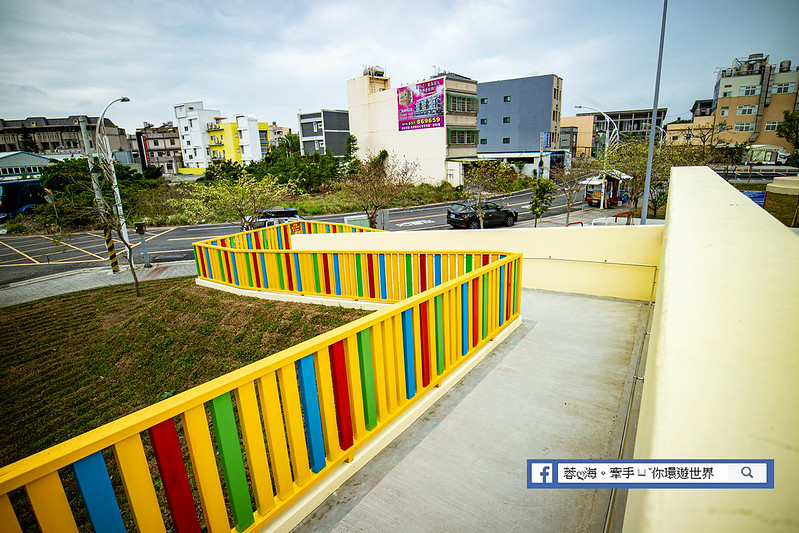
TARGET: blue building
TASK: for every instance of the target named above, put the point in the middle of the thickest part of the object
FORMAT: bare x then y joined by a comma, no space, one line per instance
514,113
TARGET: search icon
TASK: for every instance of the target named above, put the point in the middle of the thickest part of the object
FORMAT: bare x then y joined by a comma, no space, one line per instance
747,472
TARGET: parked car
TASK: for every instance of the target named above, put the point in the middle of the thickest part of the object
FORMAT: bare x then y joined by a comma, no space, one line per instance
465,215
276,215
19,196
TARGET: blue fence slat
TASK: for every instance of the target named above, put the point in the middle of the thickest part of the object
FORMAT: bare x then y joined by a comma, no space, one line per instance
407,344
437,269
98,494
306,378
501,295
297,275
465,318
263,272
383,288
336,274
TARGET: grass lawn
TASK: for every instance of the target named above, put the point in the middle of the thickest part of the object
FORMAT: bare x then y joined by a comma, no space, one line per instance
74,362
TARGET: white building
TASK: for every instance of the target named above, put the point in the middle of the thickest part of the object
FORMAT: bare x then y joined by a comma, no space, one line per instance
432,122
249,138
193,121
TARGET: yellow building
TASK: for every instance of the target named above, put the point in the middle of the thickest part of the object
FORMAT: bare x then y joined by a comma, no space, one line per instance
244,141
586,132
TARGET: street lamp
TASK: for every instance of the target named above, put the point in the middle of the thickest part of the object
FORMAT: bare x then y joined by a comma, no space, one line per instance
662,131
608,139
107,164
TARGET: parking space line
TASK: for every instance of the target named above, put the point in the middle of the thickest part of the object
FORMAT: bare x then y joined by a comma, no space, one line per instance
196,239
162,233
23,254
78,249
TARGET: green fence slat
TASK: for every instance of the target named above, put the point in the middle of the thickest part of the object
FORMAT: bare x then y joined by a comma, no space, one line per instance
367,378
468,262
484,283
316,275
358,274
439,334
227,441
408,275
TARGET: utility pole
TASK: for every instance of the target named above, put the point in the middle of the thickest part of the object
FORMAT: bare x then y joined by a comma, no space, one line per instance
102,207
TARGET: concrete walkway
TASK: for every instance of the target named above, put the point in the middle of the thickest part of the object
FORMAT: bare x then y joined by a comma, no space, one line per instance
88,278
557,388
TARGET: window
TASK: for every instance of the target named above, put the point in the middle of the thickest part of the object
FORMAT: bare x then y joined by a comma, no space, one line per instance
783,88
747,109
483,100
506,120
506,140
744,126
461,104
483,141
185,128
749,90
315,127
772,126
675,137
722,128
483,121
462,136
171,142
554,115
188,143
155,142
506,98
725,111
726,94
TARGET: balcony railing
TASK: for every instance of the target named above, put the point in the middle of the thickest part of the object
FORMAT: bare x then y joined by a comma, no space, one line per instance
299,413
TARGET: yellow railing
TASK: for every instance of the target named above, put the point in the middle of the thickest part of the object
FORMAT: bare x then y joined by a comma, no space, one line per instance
299,413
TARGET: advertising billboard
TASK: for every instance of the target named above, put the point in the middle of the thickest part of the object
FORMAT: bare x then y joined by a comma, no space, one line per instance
421,106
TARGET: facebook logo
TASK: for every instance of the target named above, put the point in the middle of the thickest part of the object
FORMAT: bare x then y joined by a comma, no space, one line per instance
539,474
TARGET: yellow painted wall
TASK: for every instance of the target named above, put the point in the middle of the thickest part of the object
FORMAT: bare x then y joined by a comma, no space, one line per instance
634,244
722,374
192,171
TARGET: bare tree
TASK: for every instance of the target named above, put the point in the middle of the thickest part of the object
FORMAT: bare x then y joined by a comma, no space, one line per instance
570,179
377,182
630,157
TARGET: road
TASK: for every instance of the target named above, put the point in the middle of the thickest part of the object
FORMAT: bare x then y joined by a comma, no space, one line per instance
24,257
29,256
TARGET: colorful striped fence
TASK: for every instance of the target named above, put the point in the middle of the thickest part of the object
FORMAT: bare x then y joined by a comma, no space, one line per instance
258,438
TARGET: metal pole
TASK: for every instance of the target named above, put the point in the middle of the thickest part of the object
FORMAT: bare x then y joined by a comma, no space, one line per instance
651,154
94,170
104,154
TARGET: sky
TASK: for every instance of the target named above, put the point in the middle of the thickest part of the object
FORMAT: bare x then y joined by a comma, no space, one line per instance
275,59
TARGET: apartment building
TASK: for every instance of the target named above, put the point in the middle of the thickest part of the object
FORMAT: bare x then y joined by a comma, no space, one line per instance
57,135
750,97
245,140
277,134
432,122
582,134
158,146
193,127
323,130
515,116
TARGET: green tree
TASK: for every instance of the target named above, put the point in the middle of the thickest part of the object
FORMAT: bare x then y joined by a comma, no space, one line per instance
350,160
658,196
544,191
788,129
27,143
379,181
487,176
239,199
630,157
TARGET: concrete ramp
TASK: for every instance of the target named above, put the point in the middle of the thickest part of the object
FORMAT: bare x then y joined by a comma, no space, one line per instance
557,388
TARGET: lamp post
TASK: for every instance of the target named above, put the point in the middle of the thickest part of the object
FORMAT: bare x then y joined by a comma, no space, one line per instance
107,164
608,140
662,131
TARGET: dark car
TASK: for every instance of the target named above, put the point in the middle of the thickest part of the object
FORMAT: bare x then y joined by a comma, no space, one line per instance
276,215
465,215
